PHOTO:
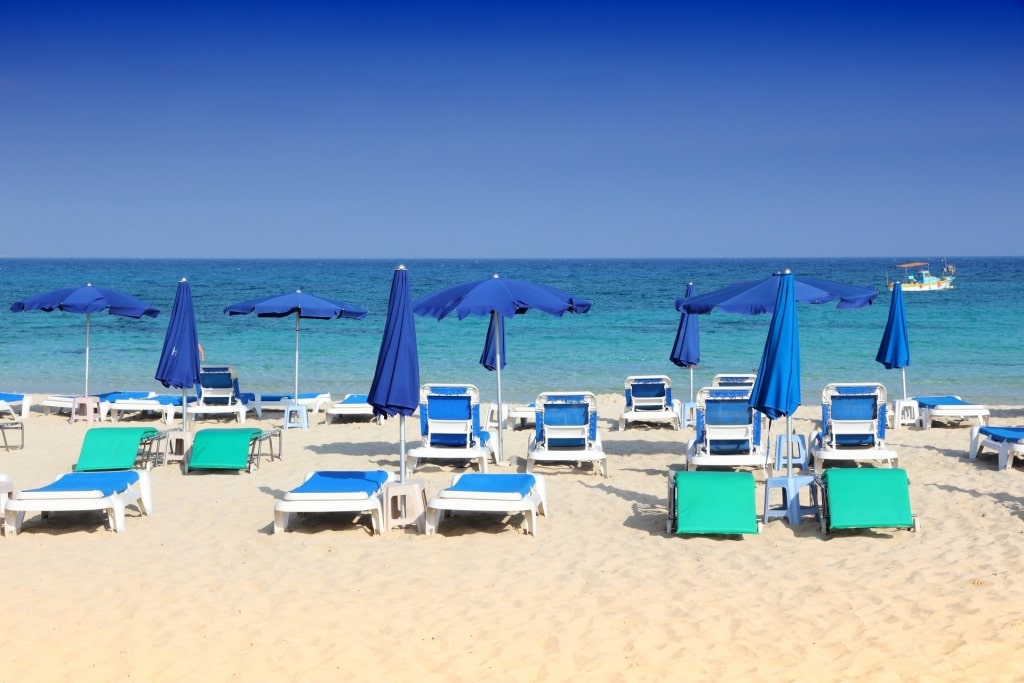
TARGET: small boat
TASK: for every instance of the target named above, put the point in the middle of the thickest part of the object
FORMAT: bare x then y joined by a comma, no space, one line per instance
917,277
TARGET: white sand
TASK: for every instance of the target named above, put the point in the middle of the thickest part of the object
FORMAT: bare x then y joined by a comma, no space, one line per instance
201,590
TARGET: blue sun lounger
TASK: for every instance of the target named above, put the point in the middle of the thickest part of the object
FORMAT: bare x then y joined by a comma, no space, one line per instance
504,493
335,491
1008,442
931,408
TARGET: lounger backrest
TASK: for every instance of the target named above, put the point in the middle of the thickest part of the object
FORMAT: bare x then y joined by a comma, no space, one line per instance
726,424
112,448
6,411
566,420
649,393
733,380
853,415
450,416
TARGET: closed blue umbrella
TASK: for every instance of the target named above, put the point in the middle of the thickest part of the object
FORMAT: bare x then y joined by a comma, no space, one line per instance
498,298
301,305
894,351
494,348
395,389
179,359
686,348
87,300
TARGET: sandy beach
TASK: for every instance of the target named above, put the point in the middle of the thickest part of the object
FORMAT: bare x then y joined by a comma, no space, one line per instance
202,590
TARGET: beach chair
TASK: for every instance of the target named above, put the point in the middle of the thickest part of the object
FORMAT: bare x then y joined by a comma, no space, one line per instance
852,425
353,405
649,399
931,408
450,426
866,498
226,449
219,395
102,479
728,432
11,421
18,405
335,491
1007,442
502,493
566,431
706,502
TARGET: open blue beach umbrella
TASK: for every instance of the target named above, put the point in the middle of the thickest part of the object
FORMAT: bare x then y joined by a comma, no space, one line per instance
753,297
686,348
395,389
87,300
894,351
301,305
498,298
179,359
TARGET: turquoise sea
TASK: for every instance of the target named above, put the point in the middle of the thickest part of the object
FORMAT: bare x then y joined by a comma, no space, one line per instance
965,341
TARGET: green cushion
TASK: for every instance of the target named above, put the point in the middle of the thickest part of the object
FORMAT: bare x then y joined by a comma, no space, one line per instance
111,448
867,497
222,449
715,503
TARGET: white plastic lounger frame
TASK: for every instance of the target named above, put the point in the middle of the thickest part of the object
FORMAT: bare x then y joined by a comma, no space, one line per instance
955,408
559,440
868,428
1007,448
353,405
449,501
649,399
138,493
327,501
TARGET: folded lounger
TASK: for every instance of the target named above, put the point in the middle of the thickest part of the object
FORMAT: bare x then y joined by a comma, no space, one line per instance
711,502
353,405
1008,442
103,449
225,449
936,407
866,498
477,492
335,491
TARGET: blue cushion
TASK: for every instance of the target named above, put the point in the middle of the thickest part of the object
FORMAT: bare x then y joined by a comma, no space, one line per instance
933,401
107,483
494,483
1003,433
343,482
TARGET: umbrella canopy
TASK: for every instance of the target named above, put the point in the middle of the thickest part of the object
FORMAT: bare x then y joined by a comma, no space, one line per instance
301,305
498,298
395,389
179,359
686,348
753,297
87,300
894,351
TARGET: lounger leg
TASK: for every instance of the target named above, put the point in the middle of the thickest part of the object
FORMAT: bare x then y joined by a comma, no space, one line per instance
115,516
13,521
975,446
1004,455
531,522
281,520
145,501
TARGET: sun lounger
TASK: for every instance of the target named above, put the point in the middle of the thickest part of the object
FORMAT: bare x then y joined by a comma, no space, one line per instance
852,425
566,431
335,491
1008,442
866,498
313,401
504,493
649,399
11,421
710,502
19,405
450,426
931,408
62,403
353,405
226,449
219,395
727,432
118,448
165,405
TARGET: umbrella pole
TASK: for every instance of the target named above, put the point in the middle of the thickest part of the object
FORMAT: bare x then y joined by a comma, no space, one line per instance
904,371
497,371
401,448
184,411
87,315
691,384
296,357
789,447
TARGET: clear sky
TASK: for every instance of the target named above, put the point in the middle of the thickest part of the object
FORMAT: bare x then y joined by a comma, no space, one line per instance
512,129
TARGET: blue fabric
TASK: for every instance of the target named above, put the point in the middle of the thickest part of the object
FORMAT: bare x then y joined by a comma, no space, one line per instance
107,483
776,391
853,407
284,397
507,297
727,412
648,388
112,396
753,297
328,481
87,299
494,483
488,358
894,350
395,388
686,348
298,302
12,397
567,411
178,366
934,401
357,398
168,400
1003,433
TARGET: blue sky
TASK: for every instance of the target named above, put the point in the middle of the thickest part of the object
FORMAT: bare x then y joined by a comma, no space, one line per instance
522,129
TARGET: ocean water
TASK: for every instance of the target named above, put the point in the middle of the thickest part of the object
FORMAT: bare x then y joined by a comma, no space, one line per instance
964,341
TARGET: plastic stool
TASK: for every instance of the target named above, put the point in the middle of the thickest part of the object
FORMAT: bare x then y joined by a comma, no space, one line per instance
791,508
689,414
85,408
177,446
904,412
405,504
295,415
782,449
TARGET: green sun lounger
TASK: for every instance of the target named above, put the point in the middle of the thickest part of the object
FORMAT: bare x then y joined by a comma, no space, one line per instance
114,448
866,498
708,502
224,449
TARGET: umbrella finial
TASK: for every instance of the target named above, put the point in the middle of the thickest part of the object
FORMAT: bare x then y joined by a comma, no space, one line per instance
184,279
495,276
400,266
